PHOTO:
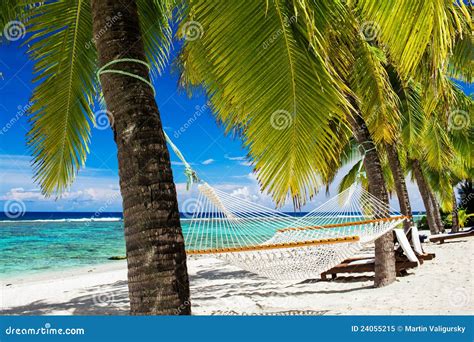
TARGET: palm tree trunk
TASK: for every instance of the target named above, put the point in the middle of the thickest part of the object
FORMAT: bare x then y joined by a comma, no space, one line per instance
455,227
400,184
437,212
384,246
157,274
425,193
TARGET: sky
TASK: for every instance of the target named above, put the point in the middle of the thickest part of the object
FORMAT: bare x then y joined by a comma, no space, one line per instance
218,159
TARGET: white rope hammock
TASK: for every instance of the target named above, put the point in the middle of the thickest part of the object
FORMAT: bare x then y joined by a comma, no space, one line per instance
279,246
270,243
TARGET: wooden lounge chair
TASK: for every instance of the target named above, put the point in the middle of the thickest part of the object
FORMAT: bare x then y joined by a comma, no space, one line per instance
404,261
441,237
416,244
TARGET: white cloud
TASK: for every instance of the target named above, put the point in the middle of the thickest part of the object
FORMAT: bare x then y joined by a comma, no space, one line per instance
208,161
234,158
21,194
95,187
179,163
84,195
246,163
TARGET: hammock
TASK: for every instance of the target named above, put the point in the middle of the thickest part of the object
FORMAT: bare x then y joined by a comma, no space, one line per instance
276,245
282,247
271,243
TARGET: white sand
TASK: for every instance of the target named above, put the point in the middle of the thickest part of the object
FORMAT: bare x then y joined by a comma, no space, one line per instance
443,286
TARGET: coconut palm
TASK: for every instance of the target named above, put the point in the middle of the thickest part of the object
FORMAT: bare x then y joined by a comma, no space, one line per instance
301,68
463,217
68,41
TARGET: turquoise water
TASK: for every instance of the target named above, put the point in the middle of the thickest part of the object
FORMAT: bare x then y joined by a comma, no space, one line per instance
32,246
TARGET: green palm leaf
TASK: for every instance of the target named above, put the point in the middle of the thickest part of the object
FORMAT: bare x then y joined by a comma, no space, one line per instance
65,64
410,28
63,50
255,63
370,82
155,18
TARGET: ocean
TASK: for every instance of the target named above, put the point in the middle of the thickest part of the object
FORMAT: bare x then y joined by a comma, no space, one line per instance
45,241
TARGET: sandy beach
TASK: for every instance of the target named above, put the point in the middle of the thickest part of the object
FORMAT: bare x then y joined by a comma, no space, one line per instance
443,286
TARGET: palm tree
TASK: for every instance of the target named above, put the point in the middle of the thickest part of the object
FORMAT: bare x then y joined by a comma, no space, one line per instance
252,75
250,79
69,40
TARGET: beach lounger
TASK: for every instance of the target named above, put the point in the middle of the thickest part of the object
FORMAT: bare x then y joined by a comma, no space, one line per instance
442,237
416,244
367,265
361,265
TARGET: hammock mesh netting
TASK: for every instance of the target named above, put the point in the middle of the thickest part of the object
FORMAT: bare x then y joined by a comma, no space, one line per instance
271,243
283,247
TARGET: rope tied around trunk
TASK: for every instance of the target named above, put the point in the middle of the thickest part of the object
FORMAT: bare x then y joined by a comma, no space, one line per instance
190,174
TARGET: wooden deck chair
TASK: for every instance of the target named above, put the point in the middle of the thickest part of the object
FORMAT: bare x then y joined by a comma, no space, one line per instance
416,244
441,237
362,265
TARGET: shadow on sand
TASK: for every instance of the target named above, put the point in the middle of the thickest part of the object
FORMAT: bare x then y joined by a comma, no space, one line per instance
112,299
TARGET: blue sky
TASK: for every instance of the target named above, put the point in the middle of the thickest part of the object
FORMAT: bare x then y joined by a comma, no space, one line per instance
219,159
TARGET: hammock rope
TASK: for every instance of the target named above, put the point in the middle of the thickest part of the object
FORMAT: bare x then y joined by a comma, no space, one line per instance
269,242
190,174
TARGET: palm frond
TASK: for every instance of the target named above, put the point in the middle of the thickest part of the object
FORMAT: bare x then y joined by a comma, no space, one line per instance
461,63
155,22
14,16
352,177
262,77
371,84
65,65
412,115
409,28
437,146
